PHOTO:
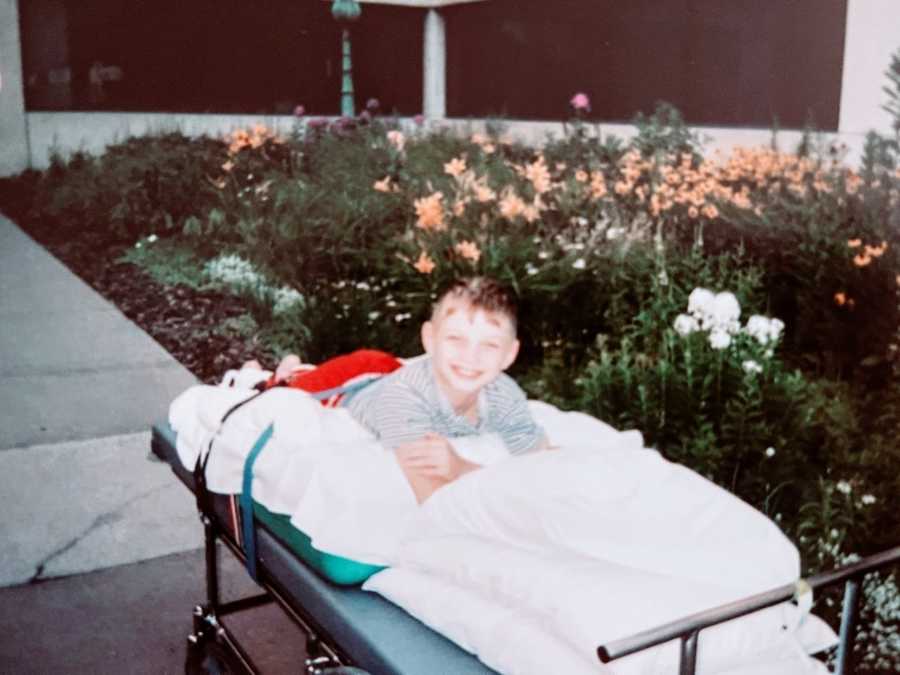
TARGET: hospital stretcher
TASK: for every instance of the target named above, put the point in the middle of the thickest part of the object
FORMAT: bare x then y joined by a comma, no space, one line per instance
353,632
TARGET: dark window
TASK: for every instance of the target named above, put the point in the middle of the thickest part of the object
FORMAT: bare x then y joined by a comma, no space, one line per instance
224,56
728,62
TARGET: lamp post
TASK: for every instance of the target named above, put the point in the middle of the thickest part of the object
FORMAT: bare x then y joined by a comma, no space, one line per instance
346,12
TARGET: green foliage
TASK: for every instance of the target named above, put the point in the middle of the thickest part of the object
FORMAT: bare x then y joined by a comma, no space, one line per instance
892,89
141,186
169,261
717,410
664,132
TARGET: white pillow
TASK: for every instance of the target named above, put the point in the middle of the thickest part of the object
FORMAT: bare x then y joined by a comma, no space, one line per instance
501,636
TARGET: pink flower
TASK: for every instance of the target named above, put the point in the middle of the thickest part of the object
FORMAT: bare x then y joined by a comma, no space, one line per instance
419,120
580,101
299,111
373,104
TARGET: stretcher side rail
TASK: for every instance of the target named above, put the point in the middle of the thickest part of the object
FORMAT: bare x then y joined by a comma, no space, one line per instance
688,629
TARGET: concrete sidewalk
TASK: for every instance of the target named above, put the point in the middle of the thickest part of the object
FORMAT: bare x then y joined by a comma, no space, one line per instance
80,386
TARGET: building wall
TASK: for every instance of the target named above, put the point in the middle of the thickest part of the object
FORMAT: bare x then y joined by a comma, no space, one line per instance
873,35
865,54
65,132
13,136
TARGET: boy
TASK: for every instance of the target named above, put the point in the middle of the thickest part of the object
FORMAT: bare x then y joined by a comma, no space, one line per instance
433,407
457,391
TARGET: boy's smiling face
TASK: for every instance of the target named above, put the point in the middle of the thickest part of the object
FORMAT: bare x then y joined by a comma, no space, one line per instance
469,348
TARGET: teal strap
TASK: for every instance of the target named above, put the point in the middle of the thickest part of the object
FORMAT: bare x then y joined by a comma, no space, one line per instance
348,390
247,500
247,488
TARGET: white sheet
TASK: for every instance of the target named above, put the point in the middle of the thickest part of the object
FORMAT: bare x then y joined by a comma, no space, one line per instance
514,643
583,545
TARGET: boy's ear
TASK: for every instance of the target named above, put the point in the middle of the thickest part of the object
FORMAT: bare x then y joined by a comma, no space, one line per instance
427,336
511,356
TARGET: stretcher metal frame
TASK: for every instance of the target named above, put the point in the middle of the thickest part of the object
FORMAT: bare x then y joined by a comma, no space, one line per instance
325,656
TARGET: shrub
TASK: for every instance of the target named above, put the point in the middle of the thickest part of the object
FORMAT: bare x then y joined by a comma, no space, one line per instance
141,186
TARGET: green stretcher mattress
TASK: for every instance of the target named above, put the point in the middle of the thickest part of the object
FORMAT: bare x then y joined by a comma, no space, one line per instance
372,632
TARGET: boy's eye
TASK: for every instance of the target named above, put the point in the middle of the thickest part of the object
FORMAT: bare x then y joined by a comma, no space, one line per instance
454,338
492,345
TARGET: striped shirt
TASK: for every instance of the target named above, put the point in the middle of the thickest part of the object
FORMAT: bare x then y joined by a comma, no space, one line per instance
408,403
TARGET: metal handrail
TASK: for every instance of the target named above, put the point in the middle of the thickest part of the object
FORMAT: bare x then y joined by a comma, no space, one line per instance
688,628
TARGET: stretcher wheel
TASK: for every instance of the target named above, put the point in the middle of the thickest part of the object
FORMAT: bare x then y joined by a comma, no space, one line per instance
208,657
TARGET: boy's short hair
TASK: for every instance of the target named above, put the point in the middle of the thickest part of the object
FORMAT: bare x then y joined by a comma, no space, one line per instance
482,293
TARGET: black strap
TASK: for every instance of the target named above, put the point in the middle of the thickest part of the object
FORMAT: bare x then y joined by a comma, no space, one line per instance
201,491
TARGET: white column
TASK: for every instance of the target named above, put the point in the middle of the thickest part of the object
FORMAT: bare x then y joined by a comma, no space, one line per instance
872,36
434,95
13,131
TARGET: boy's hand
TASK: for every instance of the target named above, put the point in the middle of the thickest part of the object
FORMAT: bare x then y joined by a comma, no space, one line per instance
432,456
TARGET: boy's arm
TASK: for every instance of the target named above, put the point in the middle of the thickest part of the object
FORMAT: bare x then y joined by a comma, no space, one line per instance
430,463
433,456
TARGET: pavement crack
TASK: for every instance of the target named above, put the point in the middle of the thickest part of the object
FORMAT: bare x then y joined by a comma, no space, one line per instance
102,519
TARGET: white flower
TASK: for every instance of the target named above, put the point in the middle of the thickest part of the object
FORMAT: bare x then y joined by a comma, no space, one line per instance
844,487
137,245
685,324
543,255
719,339
614,233
579,264
397,139
758,327
701,302
770,451
776,327
662,278
751,367
363,286
530,269
726,309
374,315
402,317
234,271
152,238
834,533
764,329
286,298
868,500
